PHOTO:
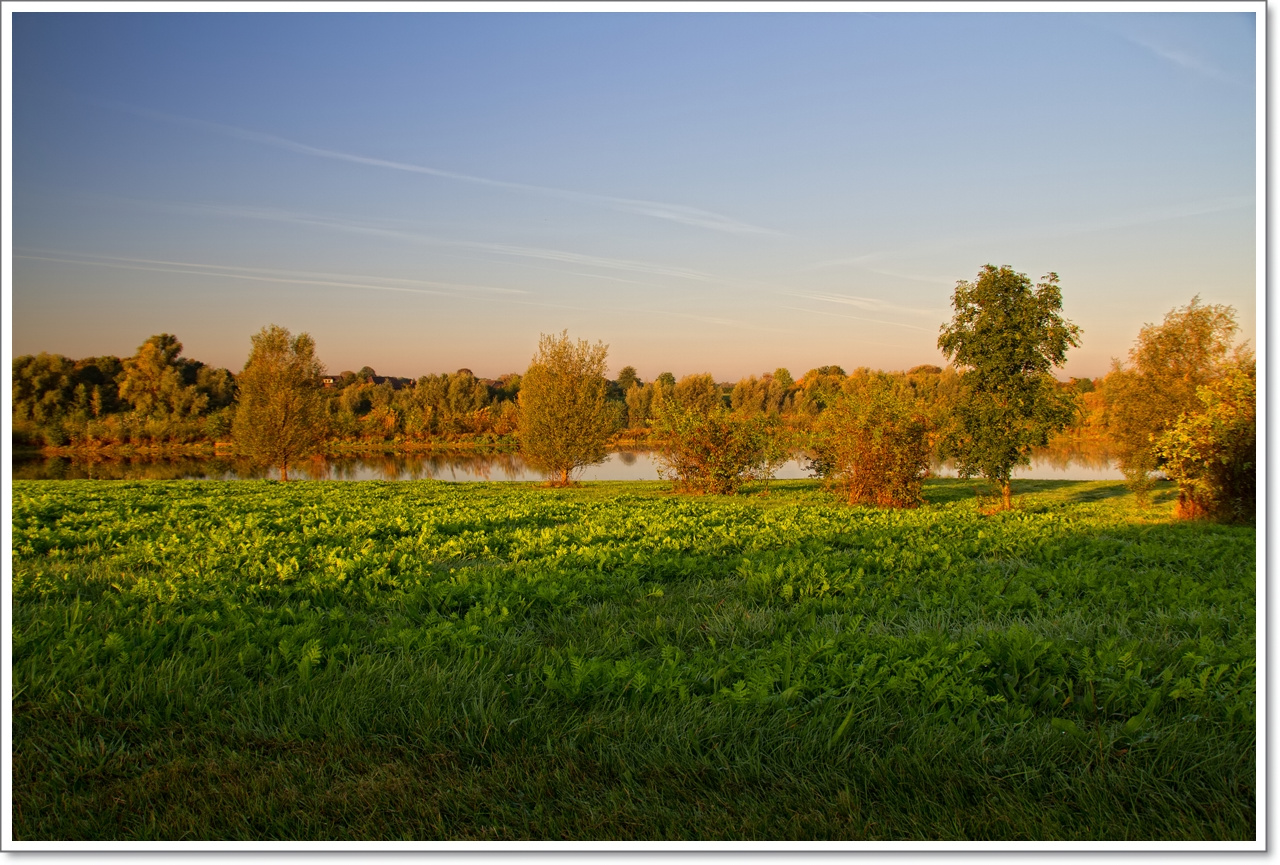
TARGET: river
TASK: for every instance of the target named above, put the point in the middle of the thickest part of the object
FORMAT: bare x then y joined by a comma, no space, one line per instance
1057,464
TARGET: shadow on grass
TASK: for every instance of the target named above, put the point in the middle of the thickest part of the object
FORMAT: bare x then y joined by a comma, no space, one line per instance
940,491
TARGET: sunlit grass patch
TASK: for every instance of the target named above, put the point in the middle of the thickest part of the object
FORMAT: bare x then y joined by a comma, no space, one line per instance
433,660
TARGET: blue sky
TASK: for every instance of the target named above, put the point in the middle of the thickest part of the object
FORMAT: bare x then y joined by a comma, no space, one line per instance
724,192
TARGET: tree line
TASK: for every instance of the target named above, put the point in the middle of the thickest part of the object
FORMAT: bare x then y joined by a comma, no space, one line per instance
1184,403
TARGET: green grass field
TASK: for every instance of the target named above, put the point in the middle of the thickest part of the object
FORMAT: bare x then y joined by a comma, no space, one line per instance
251,660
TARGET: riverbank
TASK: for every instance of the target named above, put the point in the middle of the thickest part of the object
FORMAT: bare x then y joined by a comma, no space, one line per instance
473,444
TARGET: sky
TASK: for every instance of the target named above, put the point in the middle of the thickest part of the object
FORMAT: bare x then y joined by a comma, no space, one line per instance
704,192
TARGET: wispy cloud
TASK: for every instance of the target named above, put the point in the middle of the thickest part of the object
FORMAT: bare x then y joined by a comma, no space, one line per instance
1099,222
865,259
657,209
262,274
826,314
871,304
373,229
1182,58
1162,213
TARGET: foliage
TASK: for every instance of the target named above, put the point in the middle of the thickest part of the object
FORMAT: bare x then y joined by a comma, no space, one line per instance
160,384
871,445
639,400
253,660
766,395
565,417
713,450
1168,364
627,377
817,389
155,396
1211,453
698,393
1006,337
280,415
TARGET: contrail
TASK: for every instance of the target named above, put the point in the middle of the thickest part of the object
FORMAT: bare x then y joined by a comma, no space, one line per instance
660,210
285,216
868,303
857,318
257,274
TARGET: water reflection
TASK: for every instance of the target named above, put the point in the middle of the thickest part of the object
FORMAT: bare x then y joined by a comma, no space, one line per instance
1063,463
1068,460
417,467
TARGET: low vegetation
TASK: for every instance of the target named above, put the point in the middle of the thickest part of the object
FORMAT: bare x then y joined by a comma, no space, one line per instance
256,660
872,445
707,449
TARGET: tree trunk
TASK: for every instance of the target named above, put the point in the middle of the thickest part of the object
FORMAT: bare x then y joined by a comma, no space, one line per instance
1007,492
284,471
564,478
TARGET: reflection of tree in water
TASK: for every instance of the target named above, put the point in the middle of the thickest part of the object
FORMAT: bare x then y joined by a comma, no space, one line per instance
386,466
97,467
416,467
1061,455
477,466
318,468
1065,454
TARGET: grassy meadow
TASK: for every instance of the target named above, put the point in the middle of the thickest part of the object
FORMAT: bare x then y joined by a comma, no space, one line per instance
426,660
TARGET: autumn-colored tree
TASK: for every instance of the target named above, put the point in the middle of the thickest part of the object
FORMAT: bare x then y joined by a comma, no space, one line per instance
1211,451
154,380
817,389
565,417
871,444
698,392
1005,337
765,395
639,404
281,415
1168,364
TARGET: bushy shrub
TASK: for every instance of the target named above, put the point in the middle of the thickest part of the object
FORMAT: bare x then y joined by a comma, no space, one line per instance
1211,453
715,452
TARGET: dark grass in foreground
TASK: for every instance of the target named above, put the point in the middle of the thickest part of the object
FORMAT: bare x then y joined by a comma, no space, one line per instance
247,660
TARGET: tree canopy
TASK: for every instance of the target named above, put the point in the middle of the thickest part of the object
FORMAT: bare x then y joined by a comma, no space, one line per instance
565,418
1211,451
1168,364
281,415
1006,336
628,378
159,383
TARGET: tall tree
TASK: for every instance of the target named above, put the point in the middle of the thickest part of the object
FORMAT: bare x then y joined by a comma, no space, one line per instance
281,414
1005,337
1168,364
154,380
698,392
627,377
565,416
